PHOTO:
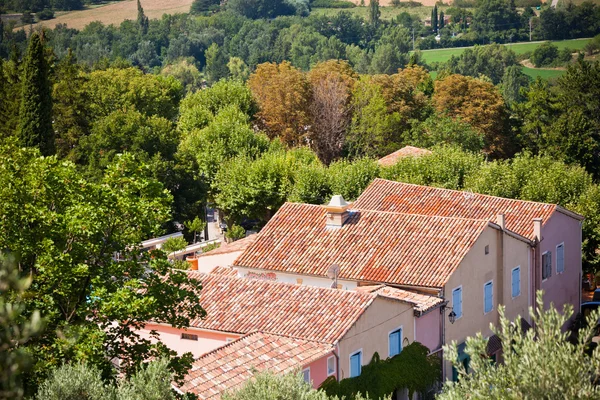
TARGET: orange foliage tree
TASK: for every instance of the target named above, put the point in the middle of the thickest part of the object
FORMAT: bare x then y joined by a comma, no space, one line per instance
283,95
480,104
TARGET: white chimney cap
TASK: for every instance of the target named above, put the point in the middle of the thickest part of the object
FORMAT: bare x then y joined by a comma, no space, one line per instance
338,201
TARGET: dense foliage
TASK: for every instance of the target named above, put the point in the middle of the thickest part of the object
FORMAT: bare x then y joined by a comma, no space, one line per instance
413,369
541,363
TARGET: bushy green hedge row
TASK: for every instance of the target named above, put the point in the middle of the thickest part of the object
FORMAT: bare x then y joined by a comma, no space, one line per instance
332,4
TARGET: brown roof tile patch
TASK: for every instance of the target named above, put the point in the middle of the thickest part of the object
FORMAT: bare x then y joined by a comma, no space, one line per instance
384,195
407,151
228,367
421,302
245,305
238,245
372,246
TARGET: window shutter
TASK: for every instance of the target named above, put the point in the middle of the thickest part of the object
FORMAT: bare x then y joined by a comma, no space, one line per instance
355,365
516,282
488,292
394,343
560,258
457,302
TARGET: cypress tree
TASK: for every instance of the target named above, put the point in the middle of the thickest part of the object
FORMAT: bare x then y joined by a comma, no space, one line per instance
35,116
374,12
434,19
142,20
442,22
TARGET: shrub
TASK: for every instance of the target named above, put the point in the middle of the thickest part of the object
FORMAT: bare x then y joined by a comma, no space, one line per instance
27,18
74,382
544,55
174,244
234,233
528,3
565,55
406,4
45,15
332,4
210,247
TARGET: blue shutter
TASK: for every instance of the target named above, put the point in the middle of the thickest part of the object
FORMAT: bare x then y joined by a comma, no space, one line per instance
355,365
488,293
457,302
395,343
516,282
560,258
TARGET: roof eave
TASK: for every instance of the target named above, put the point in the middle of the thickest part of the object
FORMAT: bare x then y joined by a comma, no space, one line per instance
568,213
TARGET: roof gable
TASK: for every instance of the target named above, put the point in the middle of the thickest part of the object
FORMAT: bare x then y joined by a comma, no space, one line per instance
384,195
372,246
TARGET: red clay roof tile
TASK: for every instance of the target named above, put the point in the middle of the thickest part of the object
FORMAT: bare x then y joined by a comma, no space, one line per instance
229,366
372,246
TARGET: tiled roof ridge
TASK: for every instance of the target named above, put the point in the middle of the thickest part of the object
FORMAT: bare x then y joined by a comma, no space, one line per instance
247,335
465,191
370,211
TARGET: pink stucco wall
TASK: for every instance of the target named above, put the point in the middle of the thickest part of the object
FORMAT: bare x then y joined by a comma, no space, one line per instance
428,329
564,288
171,337
318,370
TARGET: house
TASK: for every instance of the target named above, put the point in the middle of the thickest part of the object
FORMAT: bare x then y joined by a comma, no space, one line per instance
471,250
407,151
222,256
325,331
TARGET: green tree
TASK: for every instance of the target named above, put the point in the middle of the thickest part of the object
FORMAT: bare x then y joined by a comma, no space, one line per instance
443,130
71,107
35,115
491,61
174,244
374,13
65,230
19,326
541,363
351,178
196,226
514,84
235,232
544,55
227,136
142,19
434,19
238,69
216,64
203,7
442,21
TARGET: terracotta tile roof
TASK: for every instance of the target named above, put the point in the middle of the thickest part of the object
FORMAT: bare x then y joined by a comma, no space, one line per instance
421,302
245,305
224,271
372,246
407,198
228,367
224,248
407,151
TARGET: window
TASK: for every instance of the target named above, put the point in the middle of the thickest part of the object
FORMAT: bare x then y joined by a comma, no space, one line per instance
488,297
395,342
188,336
546,265
457,302
306,375
330,366
516,282
487,249
560,258
355,364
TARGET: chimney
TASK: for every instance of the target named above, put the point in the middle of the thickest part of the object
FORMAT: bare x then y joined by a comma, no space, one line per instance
337,212
501,221
537,229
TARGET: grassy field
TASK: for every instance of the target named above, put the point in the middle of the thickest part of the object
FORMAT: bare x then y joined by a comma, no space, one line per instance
115,13
387,13
443,55
543,73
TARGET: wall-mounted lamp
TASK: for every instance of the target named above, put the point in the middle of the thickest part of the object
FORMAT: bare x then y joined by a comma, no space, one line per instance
452,316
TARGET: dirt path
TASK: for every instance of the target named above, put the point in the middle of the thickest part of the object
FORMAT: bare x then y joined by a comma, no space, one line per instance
527,63
118,12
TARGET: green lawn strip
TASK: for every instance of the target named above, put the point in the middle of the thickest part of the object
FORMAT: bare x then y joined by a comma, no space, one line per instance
443,55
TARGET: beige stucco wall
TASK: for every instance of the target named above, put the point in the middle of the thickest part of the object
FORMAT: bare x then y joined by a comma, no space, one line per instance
371,330
478,268
209,262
